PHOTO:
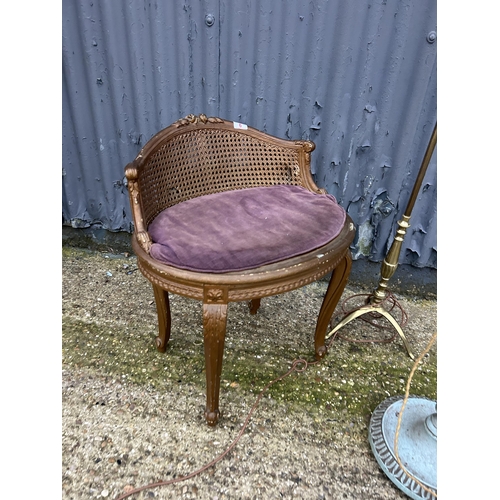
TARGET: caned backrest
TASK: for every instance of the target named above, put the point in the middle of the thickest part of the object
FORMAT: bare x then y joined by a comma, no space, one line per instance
210,155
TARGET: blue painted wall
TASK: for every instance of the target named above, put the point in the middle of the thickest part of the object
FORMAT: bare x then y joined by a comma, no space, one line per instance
358,78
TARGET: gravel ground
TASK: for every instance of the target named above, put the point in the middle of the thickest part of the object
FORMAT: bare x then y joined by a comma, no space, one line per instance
132,416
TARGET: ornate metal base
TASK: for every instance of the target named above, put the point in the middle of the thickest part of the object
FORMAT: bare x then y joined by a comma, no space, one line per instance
371,308
417,444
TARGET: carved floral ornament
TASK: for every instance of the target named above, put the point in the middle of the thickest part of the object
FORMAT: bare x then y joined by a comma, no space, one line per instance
134,190
193,119
144,240
215,295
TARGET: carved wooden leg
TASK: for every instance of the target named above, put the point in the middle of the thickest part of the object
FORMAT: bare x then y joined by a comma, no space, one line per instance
254,306
335,289
164,321
214,332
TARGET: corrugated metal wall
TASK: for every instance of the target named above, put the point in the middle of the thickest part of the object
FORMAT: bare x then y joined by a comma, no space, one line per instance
358,78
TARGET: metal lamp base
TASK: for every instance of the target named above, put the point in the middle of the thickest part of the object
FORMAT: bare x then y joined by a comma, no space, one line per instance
417,444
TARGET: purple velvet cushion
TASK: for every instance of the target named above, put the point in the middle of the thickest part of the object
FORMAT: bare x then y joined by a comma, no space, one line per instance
243,229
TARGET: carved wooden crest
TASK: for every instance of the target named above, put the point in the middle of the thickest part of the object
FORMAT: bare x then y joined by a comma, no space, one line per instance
189,119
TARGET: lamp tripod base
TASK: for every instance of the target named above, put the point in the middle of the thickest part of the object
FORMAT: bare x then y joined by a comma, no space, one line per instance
373,308
417,444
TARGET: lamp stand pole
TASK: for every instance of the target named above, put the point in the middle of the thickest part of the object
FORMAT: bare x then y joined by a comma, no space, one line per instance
390,263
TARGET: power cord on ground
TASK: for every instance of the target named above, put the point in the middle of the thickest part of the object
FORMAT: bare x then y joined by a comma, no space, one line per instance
400,416
296,367
299,366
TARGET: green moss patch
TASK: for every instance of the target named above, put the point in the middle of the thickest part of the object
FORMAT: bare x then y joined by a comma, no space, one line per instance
352,379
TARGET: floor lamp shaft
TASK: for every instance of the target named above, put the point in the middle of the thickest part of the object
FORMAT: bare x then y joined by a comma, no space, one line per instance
391,260
421,173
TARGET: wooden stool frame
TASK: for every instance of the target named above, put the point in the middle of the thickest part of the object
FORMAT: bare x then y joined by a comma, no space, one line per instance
198,155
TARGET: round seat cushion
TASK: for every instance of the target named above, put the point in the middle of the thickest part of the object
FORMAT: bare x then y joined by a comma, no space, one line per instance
244,229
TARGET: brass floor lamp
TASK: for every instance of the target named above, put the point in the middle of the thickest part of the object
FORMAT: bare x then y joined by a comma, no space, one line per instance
390,263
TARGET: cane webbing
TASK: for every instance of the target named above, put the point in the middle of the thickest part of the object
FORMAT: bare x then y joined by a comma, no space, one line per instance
206,161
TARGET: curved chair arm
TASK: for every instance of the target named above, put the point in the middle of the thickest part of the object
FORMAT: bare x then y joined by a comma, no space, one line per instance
307,147
135,202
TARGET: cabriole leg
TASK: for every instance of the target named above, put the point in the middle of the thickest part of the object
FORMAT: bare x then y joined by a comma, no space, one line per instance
214,333
164,320
335,289
254,305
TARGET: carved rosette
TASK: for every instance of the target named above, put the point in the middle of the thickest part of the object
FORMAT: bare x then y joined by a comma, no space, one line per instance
216,295
195,119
